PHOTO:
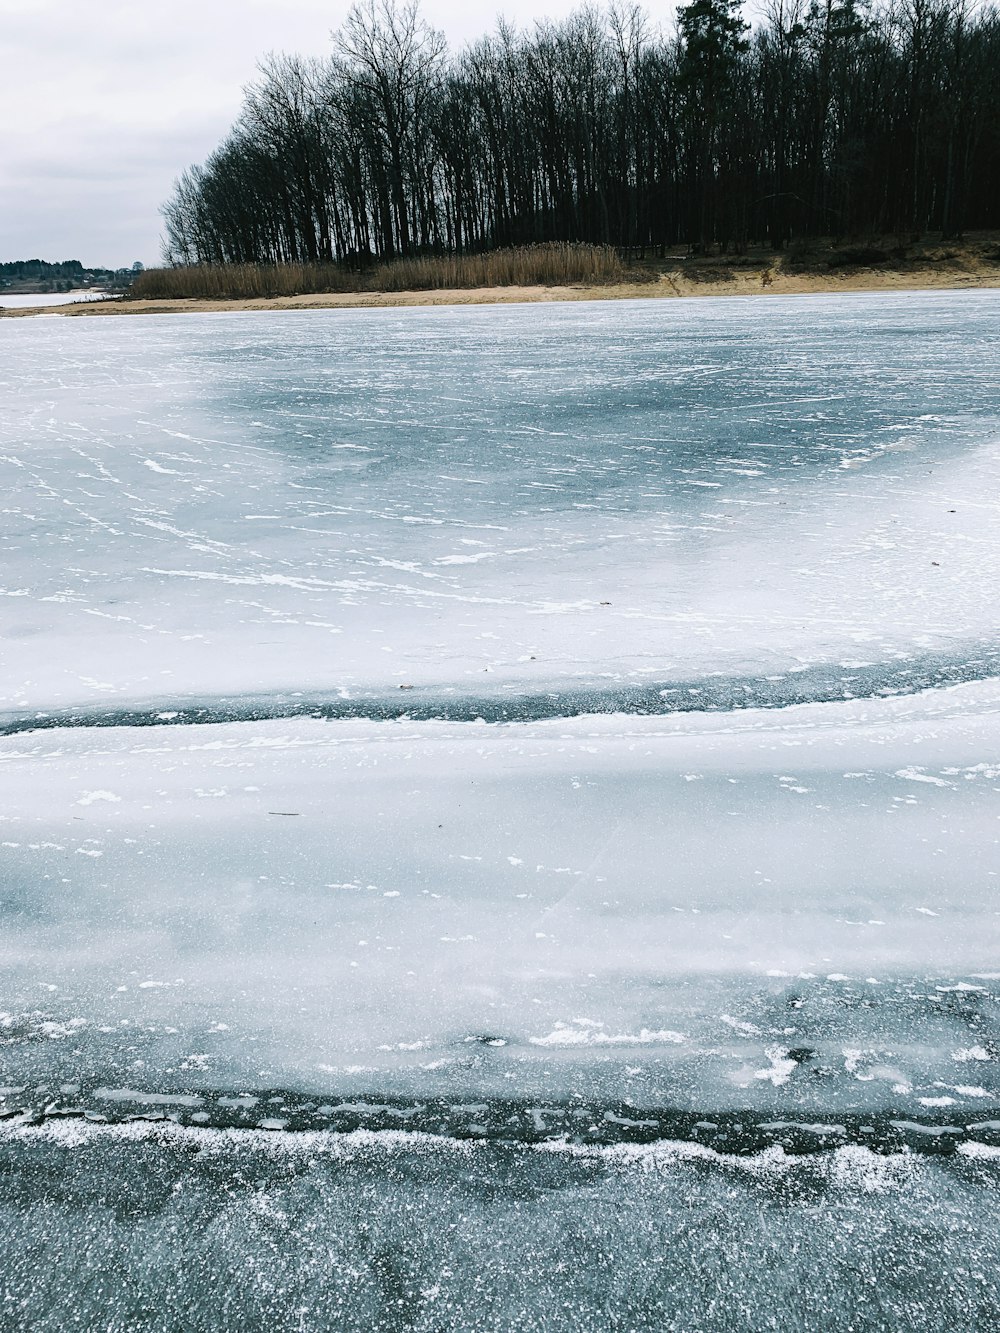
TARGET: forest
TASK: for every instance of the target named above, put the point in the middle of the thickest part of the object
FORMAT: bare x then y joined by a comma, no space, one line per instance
837,118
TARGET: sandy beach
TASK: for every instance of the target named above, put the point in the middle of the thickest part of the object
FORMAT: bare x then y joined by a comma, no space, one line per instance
669,285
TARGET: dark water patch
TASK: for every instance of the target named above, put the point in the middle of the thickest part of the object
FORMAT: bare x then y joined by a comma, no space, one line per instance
831,683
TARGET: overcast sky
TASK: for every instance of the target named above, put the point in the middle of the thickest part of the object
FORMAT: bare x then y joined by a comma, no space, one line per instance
104,102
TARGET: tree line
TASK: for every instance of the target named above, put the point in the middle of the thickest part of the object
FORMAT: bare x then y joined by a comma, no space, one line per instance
39,270
38,275
842,118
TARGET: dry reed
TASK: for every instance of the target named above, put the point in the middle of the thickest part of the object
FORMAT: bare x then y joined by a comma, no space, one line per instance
553,265
242,282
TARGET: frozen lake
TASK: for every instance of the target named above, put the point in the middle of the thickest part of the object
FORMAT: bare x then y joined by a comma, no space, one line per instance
572,724
28,300
494,500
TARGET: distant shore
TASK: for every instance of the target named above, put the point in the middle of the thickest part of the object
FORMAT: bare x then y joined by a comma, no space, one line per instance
669,285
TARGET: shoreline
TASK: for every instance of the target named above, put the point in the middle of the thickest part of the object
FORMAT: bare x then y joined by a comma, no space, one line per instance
669,286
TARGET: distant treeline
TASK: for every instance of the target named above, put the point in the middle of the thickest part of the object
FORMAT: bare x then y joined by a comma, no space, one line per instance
830,117
39,270
39,275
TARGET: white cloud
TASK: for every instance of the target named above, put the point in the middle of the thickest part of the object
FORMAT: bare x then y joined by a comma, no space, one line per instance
104,103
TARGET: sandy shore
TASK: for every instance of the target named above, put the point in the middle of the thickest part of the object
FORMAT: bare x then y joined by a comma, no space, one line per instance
749,282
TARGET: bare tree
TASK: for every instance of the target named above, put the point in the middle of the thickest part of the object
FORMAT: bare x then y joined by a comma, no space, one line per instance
843,117
395,63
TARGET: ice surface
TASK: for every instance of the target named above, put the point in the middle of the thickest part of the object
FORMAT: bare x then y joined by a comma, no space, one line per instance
28,300
568,735
494,499
710,510
155,1230
792,908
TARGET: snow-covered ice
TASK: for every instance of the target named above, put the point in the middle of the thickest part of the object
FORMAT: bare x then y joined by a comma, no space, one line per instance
725,899
493,499
663,906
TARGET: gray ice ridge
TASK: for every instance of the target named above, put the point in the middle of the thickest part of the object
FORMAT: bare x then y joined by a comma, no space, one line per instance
827,683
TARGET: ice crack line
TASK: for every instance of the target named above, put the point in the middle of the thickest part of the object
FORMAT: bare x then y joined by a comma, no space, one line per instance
596,1123
713,694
